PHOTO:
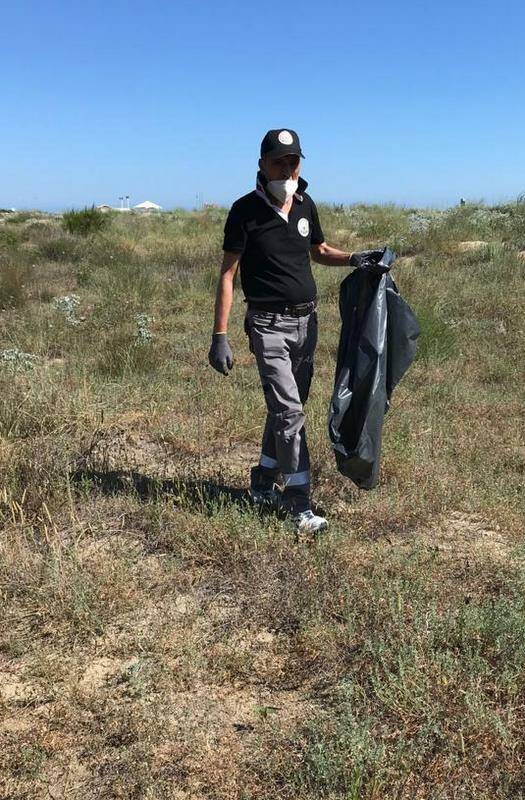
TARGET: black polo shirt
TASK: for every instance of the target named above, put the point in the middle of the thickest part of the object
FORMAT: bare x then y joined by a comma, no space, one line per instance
275,262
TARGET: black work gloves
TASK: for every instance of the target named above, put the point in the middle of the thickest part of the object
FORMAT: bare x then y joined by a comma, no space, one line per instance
374,260
220,355
366,257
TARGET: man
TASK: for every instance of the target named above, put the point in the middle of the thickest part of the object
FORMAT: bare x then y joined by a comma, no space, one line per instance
271,233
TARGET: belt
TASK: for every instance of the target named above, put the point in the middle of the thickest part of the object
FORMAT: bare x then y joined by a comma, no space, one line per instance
300,310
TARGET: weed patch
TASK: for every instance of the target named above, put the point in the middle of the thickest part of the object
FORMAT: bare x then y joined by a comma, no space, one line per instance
85,221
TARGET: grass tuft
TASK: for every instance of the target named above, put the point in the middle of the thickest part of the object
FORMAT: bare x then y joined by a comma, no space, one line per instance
85,221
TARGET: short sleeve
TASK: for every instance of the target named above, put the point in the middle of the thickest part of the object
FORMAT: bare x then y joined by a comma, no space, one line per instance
234,232
317,236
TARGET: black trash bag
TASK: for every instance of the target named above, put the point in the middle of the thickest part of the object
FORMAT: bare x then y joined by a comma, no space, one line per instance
377,344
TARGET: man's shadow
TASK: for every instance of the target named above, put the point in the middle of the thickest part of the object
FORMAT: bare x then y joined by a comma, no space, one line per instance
205,495
197,493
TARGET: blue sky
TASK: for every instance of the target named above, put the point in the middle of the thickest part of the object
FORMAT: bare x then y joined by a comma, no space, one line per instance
413,102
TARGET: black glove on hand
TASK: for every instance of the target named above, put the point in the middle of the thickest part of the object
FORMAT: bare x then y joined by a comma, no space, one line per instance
366,257
220,355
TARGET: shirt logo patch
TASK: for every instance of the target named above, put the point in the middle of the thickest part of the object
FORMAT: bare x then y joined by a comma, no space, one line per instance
285,137
303,227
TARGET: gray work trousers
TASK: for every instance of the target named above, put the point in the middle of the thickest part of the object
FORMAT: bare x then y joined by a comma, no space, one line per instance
284,347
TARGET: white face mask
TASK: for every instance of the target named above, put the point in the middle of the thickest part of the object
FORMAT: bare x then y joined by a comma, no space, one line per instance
282,190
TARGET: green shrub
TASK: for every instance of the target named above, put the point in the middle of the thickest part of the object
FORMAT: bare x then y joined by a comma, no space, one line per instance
13,278
22,216
8,238
437,341
124,353
61,249
85,221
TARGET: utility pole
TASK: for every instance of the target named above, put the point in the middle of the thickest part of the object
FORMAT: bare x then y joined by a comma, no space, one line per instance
121,201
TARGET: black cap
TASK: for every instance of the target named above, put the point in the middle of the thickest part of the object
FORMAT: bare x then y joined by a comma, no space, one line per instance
281,142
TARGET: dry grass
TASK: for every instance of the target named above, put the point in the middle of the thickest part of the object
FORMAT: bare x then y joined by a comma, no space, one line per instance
158,638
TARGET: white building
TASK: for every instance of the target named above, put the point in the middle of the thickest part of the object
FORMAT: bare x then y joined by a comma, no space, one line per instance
147,205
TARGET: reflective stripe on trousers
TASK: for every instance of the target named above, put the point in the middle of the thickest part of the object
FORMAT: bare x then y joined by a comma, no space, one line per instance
284,348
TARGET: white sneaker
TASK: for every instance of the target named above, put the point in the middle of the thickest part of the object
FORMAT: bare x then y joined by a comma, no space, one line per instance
308,522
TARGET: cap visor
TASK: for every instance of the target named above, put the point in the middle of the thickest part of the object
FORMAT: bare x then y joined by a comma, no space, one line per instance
275,154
